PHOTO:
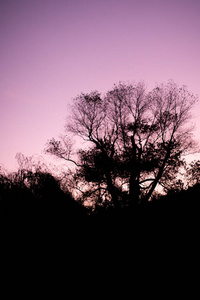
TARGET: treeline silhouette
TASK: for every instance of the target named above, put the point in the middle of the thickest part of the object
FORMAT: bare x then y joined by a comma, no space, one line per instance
135,143
36,196
26,195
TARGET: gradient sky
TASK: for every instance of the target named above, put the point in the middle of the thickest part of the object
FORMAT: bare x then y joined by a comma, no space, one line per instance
52,50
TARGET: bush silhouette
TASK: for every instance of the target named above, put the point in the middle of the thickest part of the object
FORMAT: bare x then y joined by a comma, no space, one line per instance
36,195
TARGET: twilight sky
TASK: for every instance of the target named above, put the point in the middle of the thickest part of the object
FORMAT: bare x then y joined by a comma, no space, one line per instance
52,50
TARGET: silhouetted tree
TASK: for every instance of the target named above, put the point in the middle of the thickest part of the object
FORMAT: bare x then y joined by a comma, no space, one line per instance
28,195
134,141
193,173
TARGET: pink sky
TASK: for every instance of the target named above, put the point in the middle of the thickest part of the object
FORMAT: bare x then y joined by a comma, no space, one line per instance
52,50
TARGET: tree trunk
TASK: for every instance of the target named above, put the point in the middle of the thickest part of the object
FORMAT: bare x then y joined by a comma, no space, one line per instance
111,188
109,181
134,188
133,192
159,175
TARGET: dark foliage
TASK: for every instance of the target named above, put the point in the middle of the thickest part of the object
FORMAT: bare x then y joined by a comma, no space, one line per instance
135,142
178,204
165,222
36,196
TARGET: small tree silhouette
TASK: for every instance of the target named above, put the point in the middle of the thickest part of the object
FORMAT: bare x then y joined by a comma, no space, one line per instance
193,173
25,195
135,141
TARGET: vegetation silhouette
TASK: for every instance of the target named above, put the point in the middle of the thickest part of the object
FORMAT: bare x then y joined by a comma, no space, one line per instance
25,195
134,144
29,197
133,153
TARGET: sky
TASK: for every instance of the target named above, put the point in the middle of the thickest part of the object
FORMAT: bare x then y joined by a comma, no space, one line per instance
52,50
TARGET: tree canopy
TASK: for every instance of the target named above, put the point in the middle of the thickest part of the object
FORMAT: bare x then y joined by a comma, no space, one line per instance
135,141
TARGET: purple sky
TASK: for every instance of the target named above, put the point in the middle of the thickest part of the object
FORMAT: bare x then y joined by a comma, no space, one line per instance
52,50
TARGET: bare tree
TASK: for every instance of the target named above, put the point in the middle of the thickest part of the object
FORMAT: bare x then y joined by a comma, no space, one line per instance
136,141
